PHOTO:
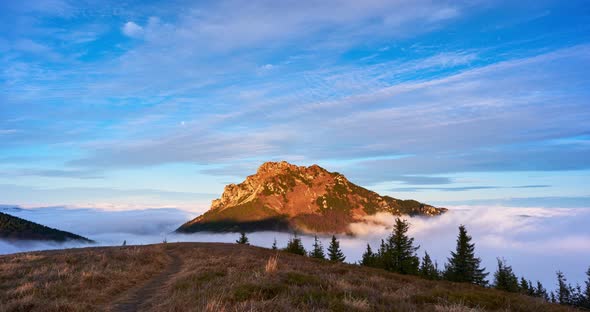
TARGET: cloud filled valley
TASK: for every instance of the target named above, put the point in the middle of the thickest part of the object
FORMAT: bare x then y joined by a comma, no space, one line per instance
535,241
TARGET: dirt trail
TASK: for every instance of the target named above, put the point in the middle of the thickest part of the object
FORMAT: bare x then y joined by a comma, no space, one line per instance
135,298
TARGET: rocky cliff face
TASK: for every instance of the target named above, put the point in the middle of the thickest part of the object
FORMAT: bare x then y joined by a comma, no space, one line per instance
282,196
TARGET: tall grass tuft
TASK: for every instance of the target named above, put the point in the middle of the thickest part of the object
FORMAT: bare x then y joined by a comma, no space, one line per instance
272,264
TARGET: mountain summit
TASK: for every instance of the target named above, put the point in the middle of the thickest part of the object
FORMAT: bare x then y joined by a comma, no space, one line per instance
282,196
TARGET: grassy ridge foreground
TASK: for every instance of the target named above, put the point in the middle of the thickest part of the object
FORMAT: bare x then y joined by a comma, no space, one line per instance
228,277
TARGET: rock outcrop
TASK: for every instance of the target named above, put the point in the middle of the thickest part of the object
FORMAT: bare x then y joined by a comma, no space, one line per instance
282,196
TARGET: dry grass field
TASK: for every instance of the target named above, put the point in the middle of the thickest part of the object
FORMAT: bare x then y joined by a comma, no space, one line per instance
77,279
226,277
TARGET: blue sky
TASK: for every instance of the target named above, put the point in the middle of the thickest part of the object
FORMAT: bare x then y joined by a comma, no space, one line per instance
160,104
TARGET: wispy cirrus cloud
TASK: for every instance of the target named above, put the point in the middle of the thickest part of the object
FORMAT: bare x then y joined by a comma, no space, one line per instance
407,92
463,188
495,108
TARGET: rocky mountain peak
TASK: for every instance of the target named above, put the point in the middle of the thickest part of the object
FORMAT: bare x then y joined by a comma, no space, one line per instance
306,198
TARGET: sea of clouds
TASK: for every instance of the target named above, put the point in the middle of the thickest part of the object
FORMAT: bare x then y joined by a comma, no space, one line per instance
535,241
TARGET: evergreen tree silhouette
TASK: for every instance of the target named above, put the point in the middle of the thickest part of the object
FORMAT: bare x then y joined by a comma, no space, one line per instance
541,292
504,277
400,253
295,246
586,303
369,257
427,268
463,266
334,252
563,289
318,250
243,239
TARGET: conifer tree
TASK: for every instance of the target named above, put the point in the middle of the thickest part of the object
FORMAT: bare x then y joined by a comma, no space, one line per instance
526,287
380,256
334,252
274,244
577,296
532,289
428,269
295,246
504,277
463,266
318,250
587,290
243,239
563,289
369,257
541,292
400,253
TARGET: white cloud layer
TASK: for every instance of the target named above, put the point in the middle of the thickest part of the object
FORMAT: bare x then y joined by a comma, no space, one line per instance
535,241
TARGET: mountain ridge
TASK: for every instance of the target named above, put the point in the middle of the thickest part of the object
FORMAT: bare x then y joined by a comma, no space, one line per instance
282,196
14,228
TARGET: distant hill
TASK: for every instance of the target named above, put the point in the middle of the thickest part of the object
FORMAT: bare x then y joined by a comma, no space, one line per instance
10,209
284,197
15,228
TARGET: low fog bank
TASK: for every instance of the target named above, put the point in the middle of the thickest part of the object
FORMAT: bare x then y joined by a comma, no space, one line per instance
535,241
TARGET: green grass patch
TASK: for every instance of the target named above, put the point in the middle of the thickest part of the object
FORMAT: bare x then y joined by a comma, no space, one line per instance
299,279
194,280
258,291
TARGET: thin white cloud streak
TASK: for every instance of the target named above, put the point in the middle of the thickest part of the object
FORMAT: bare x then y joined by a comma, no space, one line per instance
229,24
478,112
104,197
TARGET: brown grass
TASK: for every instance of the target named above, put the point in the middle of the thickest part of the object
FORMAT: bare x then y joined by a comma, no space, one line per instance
272,265
74,280
223,277
226,277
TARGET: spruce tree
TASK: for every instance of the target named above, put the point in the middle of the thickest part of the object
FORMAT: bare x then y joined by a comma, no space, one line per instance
368,257
463,266
243,239
563,289
541,292
524,286
295,246
532,289
380,256
587,290
577,296
334,252
400,254
504,277
318,250
427,268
